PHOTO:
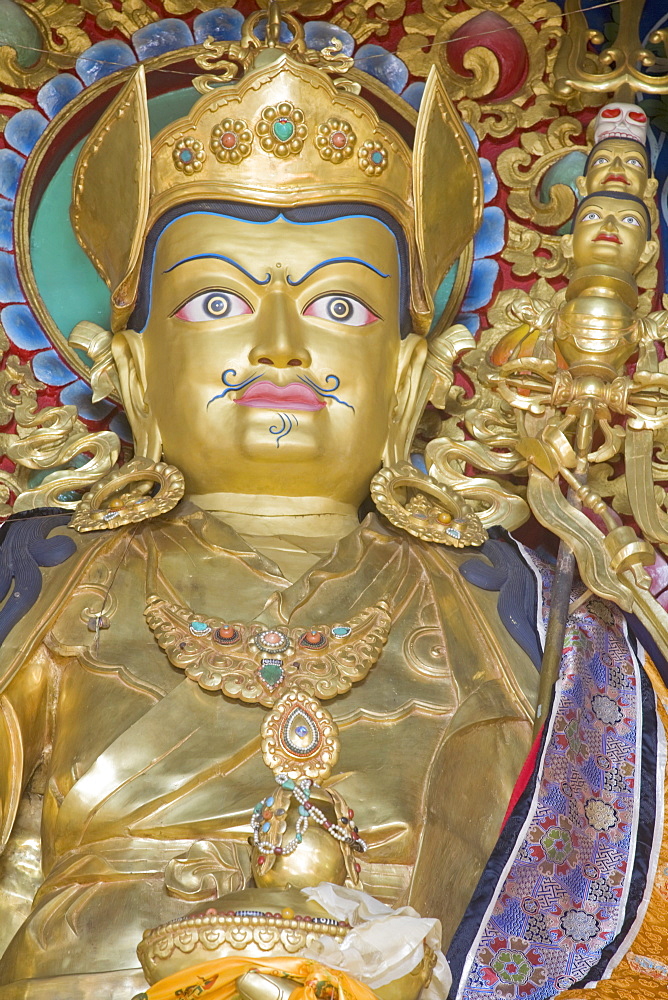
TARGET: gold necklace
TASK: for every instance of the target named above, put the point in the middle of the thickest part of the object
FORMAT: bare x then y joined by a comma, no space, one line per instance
258,663
286,670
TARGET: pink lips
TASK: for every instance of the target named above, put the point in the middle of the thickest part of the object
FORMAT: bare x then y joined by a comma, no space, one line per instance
294,396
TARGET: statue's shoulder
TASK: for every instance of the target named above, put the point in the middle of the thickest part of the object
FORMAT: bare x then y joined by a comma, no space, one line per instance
41,559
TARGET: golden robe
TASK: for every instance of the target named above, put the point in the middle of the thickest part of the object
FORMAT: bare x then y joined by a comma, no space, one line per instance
134,779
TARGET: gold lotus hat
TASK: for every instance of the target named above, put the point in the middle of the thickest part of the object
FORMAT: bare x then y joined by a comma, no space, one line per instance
287,132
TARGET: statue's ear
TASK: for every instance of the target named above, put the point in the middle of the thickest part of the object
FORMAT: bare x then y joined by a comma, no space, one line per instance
110,194
447,185
127,348
581,185
650,249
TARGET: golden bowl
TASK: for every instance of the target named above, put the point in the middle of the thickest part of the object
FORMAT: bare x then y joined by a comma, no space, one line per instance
261,923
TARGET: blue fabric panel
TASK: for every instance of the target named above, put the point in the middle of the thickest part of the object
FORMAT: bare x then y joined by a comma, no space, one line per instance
24,548
511,577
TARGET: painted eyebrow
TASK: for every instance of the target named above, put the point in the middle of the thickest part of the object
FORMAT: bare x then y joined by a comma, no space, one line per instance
336,260
228,260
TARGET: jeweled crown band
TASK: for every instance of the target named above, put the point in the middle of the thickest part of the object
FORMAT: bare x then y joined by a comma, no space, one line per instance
284,134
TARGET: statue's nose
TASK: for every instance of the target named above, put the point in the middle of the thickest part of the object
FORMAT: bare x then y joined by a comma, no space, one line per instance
279,341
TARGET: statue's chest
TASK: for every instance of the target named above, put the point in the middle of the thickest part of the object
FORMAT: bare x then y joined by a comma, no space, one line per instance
142,750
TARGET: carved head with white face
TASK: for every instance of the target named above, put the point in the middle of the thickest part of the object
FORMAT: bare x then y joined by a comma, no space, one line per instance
619,120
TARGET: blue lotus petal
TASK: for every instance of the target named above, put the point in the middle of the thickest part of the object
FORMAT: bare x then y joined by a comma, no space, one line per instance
50,369
318,35
119,425
261,31
471,321
417,460
481,285
58,92
104,58
472,135
223,24
489,180
78,394
413,94
384,65
23,329
24,129
491,237
161,36
6,219
11,165
10,290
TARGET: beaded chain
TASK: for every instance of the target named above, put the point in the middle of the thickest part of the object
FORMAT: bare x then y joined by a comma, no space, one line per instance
344,830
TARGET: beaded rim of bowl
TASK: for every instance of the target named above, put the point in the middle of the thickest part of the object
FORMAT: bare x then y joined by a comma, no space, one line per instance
213,930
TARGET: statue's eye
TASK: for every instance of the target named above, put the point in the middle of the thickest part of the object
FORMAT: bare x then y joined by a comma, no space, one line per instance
630,220
340,309
212,305
599,161
634,162
590,217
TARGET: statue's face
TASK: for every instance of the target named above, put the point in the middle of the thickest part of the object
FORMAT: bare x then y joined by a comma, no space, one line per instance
272,359
618,165
610,231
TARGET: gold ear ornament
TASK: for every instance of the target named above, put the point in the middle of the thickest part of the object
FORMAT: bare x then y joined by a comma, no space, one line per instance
433,513
124,496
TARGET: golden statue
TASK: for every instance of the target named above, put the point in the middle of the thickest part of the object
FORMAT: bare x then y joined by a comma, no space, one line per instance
272,261
258,730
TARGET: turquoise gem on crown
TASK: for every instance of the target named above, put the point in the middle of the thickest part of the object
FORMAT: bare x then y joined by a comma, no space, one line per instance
283,129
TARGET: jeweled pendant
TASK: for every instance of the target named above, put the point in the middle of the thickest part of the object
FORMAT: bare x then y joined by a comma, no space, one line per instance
300,738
